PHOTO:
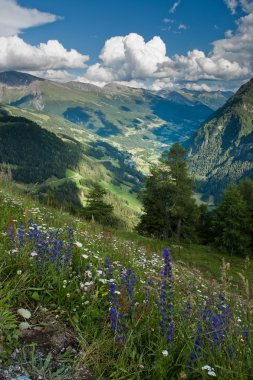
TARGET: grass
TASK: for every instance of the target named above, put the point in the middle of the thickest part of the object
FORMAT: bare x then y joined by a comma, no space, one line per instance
131,200
115,308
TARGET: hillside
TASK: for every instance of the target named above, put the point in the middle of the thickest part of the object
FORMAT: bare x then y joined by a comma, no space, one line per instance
211,99
47,162
222,150
133,120
79,302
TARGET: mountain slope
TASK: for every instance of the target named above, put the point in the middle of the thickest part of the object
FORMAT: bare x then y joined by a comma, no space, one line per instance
133,120
211,99
53,162
222,150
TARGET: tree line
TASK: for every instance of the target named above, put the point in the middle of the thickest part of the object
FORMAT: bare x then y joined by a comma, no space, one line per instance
171,212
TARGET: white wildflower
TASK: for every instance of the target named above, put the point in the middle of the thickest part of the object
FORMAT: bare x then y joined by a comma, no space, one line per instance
24,313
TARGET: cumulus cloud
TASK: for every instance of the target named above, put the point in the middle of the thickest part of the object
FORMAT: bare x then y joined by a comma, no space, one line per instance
232,5
18,55
14,18
54,75
246,5
128,58
131,60
237,47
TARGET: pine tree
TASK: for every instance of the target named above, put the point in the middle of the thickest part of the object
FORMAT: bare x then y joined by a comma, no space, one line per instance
169,209
246,190
97,208
230,222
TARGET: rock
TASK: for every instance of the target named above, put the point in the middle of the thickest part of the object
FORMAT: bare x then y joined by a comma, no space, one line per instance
82,373
53,337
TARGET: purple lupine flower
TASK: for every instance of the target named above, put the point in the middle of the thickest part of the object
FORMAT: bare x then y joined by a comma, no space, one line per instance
148,291
21,237
128,281
166,298
108,268
117,317
198,347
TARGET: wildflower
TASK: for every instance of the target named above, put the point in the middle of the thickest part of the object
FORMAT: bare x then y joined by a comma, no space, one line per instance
21,237
19,272
26,314
103,280
78,244
210,370
68,295
211,373
34,254
89,283
165,353
166,297
85,256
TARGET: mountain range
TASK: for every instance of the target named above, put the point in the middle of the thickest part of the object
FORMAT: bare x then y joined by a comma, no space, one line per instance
116,132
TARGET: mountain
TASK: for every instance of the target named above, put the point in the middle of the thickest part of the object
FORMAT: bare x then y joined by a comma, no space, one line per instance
16,79
52,164
222,150
133,120
211,99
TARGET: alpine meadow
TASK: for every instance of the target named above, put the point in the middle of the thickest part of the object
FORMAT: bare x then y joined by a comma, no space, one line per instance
126,190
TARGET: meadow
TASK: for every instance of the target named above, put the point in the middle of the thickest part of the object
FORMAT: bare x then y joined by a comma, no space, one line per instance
122,306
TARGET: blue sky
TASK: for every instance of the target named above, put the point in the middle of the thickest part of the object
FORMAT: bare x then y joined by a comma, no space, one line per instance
204,41
87,24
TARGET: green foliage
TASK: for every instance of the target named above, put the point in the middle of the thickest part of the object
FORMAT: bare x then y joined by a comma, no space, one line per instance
66,196
97,209
8,328
169,209
230,223
85,312
221,151
34,153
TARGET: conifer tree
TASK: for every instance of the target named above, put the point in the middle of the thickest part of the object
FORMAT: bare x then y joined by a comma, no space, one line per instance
230,222
169,208
97,208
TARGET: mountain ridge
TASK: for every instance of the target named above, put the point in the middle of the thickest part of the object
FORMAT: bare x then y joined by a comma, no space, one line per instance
222,149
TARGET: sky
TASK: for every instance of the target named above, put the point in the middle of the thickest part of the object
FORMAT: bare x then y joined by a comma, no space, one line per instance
153,44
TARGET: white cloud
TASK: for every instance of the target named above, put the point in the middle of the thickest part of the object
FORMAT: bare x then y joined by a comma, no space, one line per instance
128,58
202,87
18,55
232,5
174,6
131,60
237,47
14,18
54,75
182,27
168,21
246,5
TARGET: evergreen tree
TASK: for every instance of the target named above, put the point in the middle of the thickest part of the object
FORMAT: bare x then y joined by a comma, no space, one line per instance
97,208
246,190
169,209
204,225
230,222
